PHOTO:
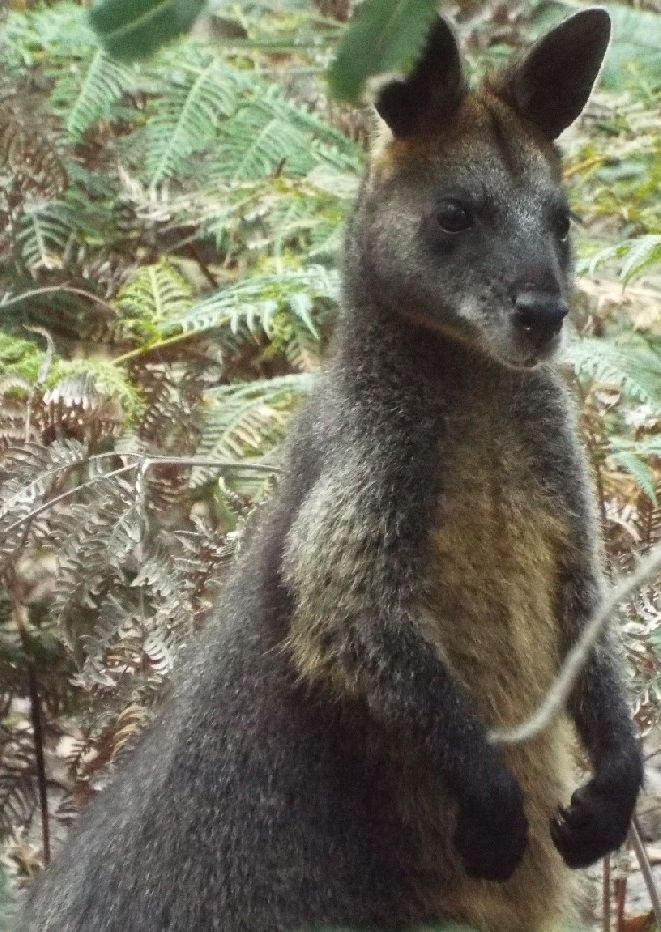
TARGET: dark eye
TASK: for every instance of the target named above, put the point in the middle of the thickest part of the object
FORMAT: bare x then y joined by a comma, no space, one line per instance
562,226
453,217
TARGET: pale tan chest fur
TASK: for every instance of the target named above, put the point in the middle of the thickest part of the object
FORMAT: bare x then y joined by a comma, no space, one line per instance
498,538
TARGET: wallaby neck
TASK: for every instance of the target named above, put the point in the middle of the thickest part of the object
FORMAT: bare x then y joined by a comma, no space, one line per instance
386,353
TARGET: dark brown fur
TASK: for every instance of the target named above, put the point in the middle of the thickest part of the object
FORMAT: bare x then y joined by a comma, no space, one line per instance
427,561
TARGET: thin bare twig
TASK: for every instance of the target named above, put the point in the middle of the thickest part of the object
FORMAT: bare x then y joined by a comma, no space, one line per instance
221,465
64,495
19,613
556,698
606,895
646,869
620,888
143,463
50,289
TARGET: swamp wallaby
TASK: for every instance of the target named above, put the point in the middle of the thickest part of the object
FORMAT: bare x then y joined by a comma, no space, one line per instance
424,566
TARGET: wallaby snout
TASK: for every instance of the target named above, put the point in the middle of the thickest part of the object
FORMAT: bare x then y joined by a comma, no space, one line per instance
540,315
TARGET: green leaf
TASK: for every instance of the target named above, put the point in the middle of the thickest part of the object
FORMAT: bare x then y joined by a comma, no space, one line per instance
639,470
131,29
645,252
635,51
186,119
103,82
385,35
630,364
156,294
248,419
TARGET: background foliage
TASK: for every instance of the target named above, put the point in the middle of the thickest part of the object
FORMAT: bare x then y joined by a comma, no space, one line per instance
170,236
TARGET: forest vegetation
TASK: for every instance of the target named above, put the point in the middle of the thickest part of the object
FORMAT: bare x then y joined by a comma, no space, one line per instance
170,235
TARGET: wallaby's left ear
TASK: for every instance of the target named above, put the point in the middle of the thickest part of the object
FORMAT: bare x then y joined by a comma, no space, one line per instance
431,92
551,86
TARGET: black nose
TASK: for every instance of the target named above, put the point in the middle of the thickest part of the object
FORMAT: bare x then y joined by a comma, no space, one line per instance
540,314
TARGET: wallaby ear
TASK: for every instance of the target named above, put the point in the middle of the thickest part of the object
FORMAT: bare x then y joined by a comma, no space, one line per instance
431,92
551,86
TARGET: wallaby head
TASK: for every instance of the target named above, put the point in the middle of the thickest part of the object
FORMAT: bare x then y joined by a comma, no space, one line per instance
463,225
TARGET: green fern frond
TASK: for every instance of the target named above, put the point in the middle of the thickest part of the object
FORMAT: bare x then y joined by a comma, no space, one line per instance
645,252
639,470
296,333
157,294
302,347
248,419
101,379
86,92
637,255
250,305
45,233
257,143
269,135
332,145
59,33
631,365
185,118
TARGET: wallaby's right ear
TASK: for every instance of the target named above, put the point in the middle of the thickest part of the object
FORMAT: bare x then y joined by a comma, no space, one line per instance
552,84
431,92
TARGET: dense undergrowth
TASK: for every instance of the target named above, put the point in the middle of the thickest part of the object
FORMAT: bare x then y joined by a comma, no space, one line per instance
169,278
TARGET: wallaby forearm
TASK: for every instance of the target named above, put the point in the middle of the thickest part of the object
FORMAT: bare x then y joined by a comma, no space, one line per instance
600,711
388,664
598,703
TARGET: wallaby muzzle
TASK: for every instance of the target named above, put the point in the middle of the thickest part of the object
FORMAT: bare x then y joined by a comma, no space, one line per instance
540,314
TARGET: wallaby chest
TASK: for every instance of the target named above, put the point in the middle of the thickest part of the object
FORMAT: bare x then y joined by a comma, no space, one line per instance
497,537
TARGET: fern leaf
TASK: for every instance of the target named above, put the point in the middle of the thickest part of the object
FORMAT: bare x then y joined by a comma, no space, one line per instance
251,304
186,118
17,789
645,251
256,142
638,255
268,135
103,82
46,232
632,366
89,384
639,470
97,537
19,495
157,294
55,33
248,419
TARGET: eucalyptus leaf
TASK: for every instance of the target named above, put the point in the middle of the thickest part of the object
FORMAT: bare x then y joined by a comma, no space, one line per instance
384,36
132,29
